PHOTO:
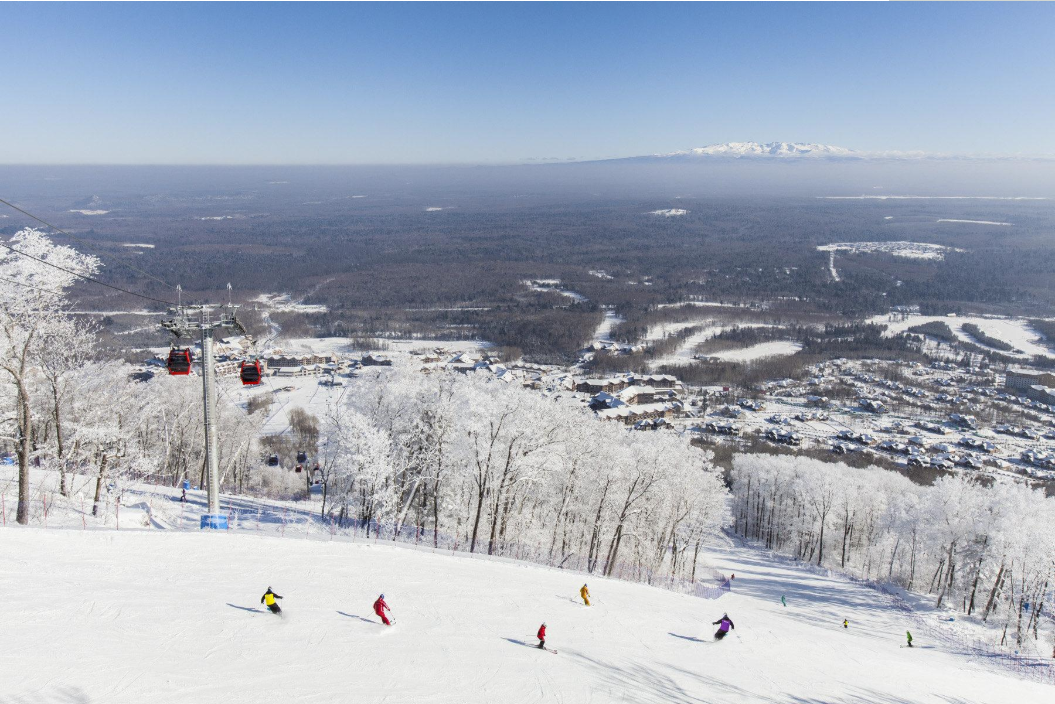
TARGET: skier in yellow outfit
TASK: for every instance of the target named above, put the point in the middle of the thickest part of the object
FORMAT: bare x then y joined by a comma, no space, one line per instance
585,594
269,600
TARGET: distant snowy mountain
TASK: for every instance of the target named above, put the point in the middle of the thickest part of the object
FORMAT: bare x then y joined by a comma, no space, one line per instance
776,150
769,149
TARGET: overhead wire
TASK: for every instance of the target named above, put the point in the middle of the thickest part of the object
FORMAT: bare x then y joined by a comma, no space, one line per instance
23,284
82,241
86,278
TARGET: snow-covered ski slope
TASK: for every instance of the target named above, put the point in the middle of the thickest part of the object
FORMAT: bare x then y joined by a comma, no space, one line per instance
166,616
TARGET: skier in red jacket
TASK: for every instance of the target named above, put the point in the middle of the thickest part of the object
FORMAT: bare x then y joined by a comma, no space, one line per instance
380,607
542,637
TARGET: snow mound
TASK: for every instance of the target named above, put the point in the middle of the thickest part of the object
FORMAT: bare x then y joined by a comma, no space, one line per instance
149,615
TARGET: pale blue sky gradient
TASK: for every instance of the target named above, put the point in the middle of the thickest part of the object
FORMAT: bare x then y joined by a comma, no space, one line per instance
437,83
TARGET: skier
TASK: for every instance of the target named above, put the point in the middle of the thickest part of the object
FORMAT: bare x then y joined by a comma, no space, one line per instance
380,607
269,600
585,594
724,624
183,497
846,624
909,636
542,637
782,601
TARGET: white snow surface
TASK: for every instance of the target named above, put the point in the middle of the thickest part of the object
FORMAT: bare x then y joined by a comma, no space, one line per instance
913,250
283,302
776,348
1014,331
91,212
140,245
685,352
669,212
170,617
976,222
603,333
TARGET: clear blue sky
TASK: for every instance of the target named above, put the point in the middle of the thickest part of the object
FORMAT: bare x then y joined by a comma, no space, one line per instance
425,83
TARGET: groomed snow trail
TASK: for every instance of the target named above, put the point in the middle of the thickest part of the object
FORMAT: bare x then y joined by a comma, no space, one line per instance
160,617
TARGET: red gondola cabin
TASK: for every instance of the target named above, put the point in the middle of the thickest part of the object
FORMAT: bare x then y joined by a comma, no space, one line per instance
250,373
179,362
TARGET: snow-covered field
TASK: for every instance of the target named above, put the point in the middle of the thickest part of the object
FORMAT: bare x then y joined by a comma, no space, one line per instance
554,286
1014,331
603,333
283,302
913,250
685,353
975,222
776,348
167,616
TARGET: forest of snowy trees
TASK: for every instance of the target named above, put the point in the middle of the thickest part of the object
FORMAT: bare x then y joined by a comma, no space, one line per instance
499,466
983,549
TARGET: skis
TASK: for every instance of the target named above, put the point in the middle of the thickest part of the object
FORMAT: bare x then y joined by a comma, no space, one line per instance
535,647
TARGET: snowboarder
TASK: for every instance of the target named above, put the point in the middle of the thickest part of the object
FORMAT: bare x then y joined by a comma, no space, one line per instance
542,637
585,594
846,624
724,624
269,600
909,636
782,601
380,607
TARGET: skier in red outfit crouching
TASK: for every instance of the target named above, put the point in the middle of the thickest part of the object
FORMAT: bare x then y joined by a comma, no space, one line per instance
380,607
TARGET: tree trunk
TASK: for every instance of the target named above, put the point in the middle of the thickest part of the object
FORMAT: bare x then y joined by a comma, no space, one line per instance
59,448
479,511
23,447
99,485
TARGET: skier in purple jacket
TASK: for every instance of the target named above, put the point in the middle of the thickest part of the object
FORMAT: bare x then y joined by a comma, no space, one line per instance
724,624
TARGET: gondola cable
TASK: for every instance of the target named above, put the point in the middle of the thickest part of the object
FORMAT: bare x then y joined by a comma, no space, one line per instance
86,278
82,241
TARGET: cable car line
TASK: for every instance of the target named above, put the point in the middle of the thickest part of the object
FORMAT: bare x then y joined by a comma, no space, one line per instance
34,288
86,278
82,241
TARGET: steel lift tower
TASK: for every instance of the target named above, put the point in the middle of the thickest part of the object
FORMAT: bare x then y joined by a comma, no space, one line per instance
185,321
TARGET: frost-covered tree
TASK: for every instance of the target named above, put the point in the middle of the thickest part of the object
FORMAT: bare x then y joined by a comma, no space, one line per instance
33,322
481,461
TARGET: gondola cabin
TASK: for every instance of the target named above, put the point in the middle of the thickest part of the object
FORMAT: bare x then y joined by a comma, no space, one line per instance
179,362
250,373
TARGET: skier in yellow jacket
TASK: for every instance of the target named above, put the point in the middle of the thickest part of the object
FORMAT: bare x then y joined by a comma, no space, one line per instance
269,601
585,594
